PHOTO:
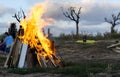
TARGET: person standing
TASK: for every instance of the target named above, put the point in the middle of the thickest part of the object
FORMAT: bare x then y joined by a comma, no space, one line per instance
8,41
12,30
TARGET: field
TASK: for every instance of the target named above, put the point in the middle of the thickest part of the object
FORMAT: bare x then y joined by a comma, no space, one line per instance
79,60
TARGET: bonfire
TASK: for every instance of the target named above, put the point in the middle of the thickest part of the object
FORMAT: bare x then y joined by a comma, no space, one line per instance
34,36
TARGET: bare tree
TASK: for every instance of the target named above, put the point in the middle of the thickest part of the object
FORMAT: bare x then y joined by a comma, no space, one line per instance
73,15
114,21
19,16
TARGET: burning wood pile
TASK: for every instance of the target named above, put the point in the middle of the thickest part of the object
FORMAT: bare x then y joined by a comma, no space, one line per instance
31,42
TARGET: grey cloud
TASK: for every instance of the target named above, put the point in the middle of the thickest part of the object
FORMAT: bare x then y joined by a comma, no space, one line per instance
69,28
95,13
91,19
101,28
53,10
6,10
3,27
56,31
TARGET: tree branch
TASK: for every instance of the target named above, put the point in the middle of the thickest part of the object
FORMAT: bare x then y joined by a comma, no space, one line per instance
19,16
72,14
115,20
109,21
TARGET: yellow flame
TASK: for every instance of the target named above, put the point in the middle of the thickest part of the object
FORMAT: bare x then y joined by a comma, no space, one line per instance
33,32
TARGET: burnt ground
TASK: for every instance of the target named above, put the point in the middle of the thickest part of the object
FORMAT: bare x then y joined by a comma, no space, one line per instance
70,51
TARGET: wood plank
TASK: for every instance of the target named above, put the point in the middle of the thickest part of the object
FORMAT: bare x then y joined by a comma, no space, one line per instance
29,59
113,45
17,51
23,56
53,62
8,61
8,57
43,62
116,50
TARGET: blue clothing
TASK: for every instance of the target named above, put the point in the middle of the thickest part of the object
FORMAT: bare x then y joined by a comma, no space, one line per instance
8,42
7,50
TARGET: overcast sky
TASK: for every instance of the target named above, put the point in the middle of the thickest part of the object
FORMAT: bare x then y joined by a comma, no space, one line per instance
91,19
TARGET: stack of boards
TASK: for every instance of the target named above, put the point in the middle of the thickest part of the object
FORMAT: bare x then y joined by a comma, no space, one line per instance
17,55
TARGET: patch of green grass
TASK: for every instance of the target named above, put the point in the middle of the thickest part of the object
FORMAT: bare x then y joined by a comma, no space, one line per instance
75,70
2,59
87,41
71,69
26,70
82,69
115,66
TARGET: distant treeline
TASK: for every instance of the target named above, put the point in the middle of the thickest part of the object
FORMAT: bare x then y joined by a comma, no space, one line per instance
98,36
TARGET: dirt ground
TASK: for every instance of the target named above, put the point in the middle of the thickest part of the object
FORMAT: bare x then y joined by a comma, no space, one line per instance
76,52
32,75
70,51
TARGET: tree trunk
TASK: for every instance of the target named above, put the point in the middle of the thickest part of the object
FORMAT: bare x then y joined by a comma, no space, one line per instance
77,30
112,29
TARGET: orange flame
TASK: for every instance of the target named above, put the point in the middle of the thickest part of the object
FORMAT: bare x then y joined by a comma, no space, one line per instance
34,35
